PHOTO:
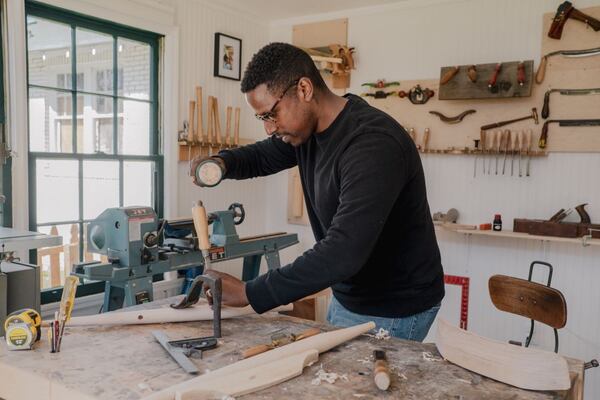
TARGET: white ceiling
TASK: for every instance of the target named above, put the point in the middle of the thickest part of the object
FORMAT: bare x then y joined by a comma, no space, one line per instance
282,9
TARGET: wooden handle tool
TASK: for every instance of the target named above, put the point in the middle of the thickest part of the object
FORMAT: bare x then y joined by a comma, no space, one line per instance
200,128
201,225
447,77
209,124
541,72
261,348
192,110
426,139
217,121
381,371
228,127
236,128
483,137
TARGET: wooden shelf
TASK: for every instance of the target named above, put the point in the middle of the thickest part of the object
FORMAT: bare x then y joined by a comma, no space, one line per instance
467,151
518,235
196,149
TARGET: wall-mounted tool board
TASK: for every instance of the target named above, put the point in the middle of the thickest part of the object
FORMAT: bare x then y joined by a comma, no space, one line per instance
461,87
560,73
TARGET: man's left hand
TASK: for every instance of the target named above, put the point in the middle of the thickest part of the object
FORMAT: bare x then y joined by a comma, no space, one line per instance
234,290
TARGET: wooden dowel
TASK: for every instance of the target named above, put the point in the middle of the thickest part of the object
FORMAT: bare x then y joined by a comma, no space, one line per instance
217,121
236,128
228,127
200,129
192,109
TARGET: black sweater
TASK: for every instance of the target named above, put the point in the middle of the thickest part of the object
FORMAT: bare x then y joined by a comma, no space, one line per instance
365,194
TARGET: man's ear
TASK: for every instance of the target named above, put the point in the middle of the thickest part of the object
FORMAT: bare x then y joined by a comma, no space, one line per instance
305,89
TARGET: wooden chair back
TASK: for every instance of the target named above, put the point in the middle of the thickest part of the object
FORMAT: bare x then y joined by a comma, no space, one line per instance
529,299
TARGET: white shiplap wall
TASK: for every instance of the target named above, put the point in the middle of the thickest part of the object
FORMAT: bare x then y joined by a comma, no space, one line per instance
411,40
198,20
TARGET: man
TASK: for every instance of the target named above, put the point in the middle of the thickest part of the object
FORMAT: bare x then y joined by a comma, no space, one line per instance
365,194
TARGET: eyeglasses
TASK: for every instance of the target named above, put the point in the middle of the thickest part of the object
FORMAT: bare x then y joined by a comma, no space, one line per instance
269,116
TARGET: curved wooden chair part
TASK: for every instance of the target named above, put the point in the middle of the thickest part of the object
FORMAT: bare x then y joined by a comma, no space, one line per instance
531,300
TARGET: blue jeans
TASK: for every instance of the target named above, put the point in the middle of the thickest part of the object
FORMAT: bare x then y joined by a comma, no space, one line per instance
414,327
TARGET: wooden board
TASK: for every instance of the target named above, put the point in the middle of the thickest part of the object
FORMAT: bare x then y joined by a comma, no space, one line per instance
560,73
126,363
522,367
320,34
461,88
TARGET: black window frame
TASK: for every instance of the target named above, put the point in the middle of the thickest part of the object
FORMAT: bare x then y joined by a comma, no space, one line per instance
77,20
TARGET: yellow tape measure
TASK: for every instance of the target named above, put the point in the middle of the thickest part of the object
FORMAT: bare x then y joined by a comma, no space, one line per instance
23,329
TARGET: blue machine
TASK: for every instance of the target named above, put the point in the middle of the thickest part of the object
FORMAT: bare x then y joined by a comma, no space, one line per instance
138,246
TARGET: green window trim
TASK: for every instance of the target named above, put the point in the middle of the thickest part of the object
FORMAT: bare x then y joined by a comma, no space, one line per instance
77,20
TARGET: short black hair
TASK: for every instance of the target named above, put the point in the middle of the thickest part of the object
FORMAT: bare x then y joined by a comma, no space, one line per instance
277,65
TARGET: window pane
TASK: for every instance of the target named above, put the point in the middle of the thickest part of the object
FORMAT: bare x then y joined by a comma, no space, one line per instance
57,188
134,127
95,132
49,53
100,187
56,261
133,60
137,183
50,121
94,61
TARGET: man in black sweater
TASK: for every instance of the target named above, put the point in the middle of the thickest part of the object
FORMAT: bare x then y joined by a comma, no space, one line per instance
364,188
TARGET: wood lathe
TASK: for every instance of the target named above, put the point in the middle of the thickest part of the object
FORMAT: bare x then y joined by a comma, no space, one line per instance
139,246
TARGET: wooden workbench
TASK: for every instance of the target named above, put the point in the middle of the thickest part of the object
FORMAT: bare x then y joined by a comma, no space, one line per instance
126,363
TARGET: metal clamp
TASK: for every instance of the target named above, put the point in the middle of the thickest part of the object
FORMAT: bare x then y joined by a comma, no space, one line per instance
216,291
586,238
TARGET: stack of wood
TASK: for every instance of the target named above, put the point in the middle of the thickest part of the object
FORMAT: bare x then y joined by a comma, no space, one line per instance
196,141
336,59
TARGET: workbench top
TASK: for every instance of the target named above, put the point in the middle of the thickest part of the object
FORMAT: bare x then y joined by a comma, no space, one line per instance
126,363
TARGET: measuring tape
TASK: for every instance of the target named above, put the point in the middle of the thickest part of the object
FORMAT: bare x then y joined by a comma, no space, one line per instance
23,329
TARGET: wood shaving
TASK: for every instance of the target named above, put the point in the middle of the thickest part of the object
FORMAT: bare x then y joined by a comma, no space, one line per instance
464,380
329,377
381,334
402,376
427,356
366,360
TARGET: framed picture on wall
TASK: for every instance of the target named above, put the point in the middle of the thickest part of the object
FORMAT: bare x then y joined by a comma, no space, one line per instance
228,56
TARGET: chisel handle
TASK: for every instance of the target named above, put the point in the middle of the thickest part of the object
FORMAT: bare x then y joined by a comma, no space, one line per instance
541,72
253,351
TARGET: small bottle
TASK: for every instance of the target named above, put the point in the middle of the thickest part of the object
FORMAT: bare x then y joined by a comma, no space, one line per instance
497,225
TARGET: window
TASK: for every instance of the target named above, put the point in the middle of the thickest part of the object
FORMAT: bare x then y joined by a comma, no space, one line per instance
93,128
5,161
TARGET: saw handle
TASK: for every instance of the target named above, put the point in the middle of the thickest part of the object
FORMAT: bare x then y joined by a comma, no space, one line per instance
541,72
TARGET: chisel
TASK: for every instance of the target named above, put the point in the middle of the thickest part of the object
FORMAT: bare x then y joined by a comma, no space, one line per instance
529,138
515,148
506,145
